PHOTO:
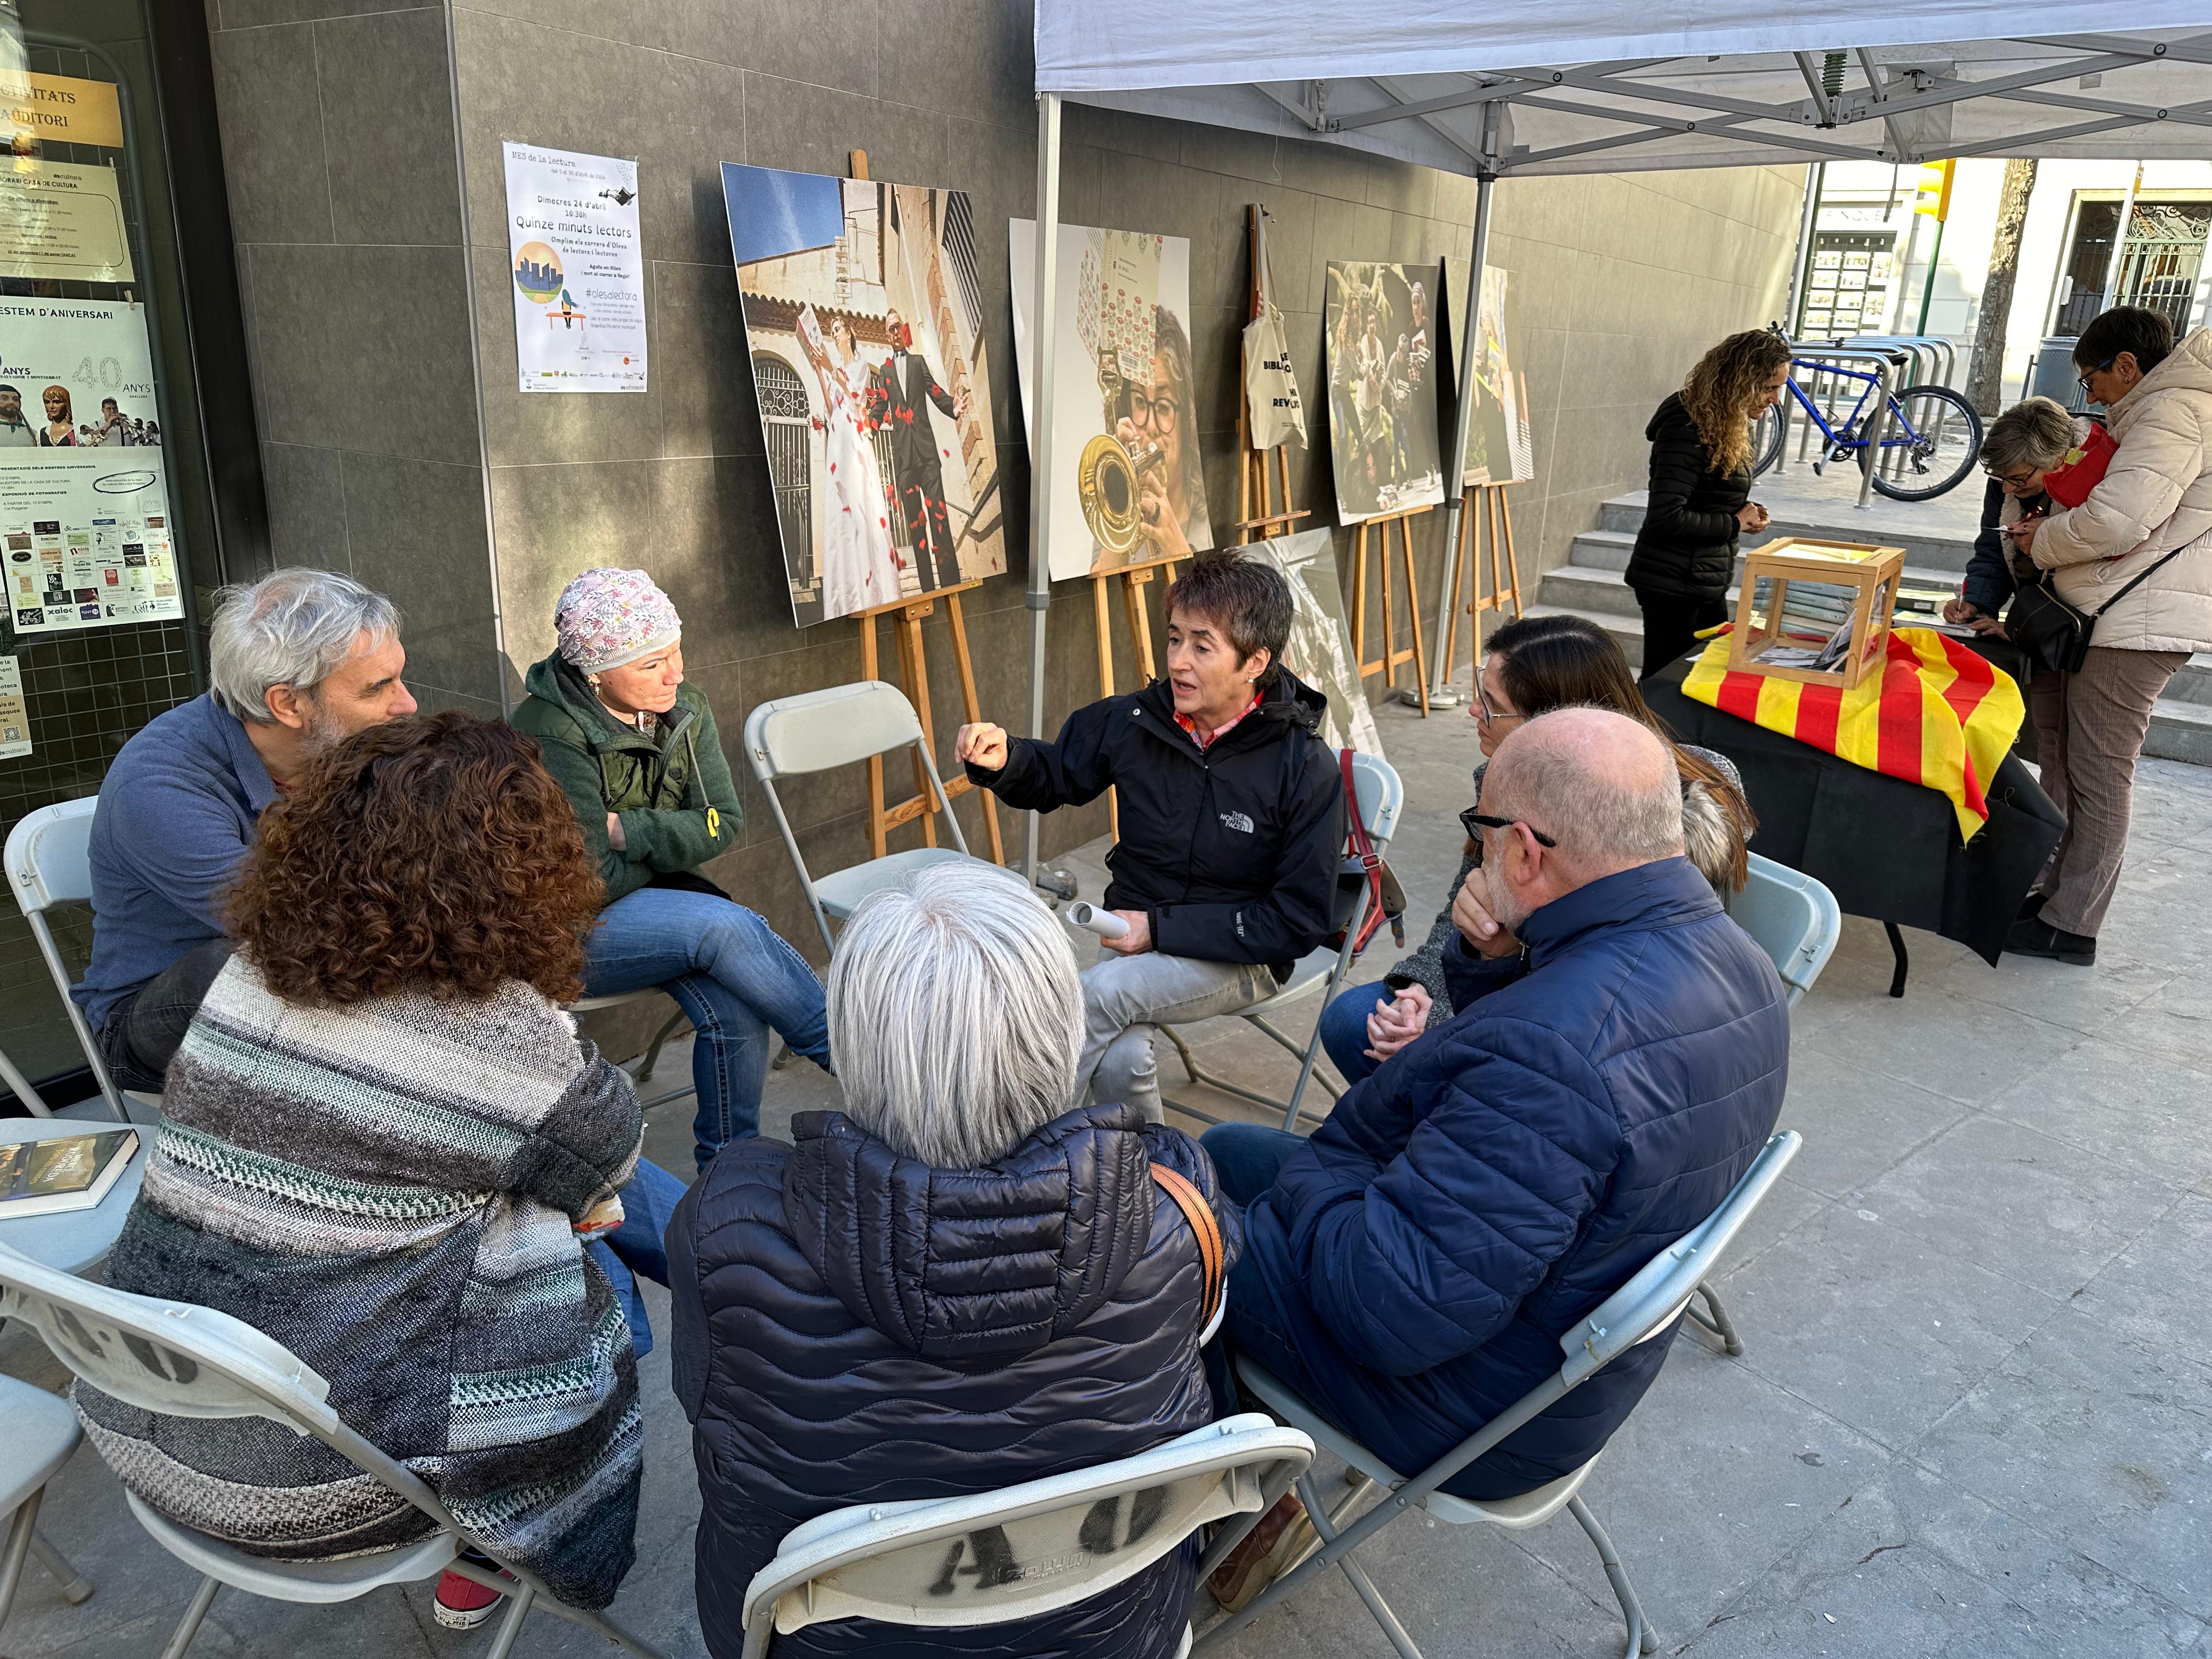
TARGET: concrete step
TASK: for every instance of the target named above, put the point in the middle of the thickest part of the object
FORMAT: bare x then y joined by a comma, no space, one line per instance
2180,731
1930,549
2193,684
1599,592
1603,549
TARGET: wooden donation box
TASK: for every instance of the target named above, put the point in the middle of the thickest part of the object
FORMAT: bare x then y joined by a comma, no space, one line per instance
1823,618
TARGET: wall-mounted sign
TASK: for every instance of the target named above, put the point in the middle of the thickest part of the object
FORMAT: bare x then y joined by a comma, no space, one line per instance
61,221
85,530
577,269
62,109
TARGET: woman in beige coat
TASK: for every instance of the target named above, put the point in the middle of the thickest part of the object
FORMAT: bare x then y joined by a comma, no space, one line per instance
2154,500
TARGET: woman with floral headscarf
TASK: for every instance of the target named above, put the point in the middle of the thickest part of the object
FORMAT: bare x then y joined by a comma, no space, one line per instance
637,751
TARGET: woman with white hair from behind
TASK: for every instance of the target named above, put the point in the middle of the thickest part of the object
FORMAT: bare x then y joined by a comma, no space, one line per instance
952,1285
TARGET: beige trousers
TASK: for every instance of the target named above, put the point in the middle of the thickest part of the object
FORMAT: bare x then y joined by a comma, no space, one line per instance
2089,728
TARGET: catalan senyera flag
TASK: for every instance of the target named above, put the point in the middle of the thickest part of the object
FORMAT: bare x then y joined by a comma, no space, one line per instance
1937,715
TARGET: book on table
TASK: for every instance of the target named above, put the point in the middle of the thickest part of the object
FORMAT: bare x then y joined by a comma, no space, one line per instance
68,1172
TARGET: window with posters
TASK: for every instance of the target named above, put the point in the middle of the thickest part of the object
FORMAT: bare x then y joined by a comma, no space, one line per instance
105,513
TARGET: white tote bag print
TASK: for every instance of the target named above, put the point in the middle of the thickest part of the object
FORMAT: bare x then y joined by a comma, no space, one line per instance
1271,385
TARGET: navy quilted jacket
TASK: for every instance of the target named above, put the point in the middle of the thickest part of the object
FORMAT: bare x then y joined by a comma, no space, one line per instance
851,1326
1470,1202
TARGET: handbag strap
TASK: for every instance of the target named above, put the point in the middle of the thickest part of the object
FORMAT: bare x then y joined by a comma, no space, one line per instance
1196,1210
1363,849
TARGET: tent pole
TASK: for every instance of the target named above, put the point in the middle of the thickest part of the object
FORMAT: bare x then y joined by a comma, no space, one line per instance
1039,598
1440,692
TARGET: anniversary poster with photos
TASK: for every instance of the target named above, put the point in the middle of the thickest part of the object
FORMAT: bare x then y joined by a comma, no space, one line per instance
864,322
1319,651
85,531
1379,325
1128,480
1500,448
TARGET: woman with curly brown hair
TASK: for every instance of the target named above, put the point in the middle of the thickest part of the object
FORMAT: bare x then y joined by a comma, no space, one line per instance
1700,438
384,1145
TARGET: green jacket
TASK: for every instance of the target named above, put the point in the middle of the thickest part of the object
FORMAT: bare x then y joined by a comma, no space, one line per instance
673,790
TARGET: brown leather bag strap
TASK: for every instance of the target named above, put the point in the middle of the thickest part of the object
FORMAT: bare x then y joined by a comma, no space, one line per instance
1200,1214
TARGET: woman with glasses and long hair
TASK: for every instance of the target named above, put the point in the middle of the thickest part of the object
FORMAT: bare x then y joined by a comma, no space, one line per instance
1170,496
1700,499
1534,665
2137,553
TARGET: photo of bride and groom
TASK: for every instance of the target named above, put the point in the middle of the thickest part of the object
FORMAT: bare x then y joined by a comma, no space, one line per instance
861,307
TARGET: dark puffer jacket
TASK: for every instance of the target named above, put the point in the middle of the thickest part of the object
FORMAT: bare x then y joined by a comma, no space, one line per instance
1421,1255
1232,850
1687,547
853,1326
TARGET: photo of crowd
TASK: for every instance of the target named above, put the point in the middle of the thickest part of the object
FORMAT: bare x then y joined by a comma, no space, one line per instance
1380,336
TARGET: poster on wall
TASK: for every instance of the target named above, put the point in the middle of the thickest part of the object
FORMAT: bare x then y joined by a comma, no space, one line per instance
1319,651
15,713
1380,329
1129,481
63,222
85,531
579,271
1500,448
864,320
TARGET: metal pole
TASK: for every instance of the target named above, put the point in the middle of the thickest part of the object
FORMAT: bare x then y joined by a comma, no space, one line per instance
1872,433
1816,173
1039,598
1440,692
2110,296
1928,288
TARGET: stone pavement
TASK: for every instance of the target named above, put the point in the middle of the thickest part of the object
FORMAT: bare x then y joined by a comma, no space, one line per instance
1974,1415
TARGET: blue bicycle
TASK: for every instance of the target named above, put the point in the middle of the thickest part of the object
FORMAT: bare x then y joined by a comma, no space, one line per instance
1930,439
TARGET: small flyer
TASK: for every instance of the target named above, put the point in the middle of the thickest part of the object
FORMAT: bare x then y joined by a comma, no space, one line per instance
14,714
61,221
579,271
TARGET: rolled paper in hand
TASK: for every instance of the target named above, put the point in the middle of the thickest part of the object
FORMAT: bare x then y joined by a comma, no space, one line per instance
1104,923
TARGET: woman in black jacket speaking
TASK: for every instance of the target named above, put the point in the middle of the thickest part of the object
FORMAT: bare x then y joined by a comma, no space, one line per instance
1685,553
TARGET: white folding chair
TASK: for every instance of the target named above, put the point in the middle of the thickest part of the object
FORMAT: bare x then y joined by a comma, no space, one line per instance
186,1361
1024,1550
1639,1310
1795,920
1793,917
49,861
838,726
1381,798
42,1432
667,1029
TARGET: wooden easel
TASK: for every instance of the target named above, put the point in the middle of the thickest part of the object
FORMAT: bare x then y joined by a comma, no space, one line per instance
1387,664
1134,579
1490,501
1255,479
914,679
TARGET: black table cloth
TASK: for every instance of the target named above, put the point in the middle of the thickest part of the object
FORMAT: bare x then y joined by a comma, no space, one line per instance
1885,848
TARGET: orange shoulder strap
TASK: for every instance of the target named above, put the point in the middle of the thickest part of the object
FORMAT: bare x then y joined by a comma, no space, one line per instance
1200,1214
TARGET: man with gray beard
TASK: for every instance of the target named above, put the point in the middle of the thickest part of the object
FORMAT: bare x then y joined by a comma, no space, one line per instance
1616,1061
297,662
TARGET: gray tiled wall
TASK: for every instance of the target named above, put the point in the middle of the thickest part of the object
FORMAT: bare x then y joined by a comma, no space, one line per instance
338,121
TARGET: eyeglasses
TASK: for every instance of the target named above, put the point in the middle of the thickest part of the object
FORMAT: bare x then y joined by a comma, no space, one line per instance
1475,822
2083,382
2017,480
1488,715
1159,413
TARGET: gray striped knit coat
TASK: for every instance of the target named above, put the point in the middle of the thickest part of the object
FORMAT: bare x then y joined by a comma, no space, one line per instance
387,1190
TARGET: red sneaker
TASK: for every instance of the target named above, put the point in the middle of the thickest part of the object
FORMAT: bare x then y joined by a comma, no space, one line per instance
462,1603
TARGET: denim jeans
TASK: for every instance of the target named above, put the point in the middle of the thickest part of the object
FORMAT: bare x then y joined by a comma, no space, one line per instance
736,980
1343,1028
143,1032
635,1249
1247,1158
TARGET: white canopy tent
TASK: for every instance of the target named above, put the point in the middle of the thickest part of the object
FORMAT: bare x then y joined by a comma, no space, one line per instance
1606,86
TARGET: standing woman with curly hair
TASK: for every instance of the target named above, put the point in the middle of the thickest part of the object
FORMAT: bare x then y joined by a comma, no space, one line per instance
1700,503
384,1145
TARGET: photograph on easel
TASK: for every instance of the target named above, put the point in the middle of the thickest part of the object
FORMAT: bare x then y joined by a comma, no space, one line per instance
1381,334
1500,446
1129,481
863,317
1320,650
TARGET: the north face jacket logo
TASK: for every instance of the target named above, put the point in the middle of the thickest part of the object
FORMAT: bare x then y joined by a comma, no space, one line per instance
1240,822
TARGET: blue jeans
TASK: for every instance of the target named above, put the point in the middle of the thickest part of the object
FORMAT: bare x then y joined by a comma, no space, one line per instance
1343,1028
736,980
635,1248
1248,1157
